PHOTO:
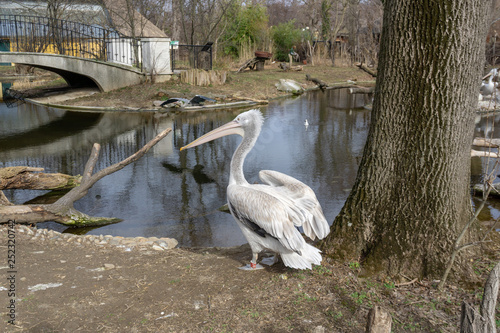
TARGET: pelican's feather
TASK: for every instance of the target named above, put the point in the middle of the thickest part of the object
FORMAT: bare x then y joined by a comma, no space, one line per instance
272,215
302,197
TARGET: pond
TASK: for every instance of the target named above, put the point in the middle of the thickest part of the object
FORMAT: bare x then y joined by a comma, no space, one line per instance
176,194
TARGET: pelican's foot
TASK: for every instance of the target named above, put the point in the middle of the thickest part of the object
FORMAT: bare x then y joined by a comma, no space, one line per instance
269,261
250,267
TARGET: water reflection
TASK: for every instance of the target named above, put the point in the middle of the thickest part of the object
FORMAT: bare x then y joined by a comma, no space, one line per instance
178,194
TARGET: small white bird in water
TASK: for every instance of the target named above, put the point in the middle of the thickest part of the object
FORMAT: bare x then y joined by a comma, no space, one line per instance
269,214
306,123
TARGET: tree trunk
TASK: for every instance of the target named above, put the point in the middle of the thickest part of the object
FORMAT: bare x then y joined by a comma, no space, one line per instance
411,195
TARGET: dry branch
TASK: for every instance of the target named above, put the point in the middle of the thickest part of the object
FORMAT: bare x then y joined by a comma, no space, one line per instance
22,177
62,210
366,69
321,84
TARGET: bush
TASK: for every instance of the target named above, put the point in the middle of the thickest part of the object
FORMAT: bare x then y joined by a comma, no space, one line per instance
285,36
247,24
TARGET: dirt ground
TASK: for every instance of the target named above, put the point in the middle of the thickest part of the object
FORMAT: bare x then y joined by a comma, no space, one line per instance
107,289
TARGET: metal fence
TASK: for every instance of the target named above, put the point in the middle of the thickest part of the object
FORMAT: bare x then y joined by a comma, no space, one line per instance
20,33
191,56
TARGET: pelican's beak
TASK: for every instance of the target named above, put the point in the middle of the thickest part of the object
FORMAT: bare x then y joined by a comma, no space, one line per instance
232,127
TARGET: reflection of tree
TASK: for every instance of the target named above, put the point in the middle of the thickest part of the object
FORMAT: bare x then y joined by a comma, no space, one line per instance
339,135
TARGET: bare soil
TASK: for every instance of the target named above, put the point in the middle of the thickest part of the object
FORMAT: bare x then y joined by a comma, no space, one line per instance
108,289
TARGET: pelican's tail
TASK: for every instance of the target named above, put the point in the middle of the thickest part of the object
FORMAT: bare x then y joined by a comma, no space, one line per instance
309,255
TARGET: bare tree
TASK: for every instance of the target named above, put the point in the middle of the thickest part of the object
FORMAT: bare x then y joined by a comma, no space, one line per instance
411,197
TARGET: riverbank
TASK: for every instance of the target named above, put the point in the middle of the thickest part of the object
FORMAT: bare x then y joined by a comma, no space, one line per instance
250,87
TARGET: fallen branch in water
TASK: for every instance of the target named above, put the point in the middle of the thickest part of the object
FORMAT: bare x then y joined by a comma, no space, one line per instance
62,211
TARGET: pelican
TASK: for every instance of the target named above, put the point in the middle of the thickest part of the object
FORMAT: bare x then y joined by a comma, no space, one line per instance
178,102
487,88
269,214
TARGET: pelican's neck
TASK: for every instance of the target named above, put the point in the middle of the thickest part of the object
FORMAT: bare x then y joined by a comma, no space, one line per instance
236,175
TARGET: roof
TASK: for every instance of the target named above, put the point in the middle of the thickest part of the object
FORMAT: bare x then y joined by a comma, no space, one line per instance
112,15
138,27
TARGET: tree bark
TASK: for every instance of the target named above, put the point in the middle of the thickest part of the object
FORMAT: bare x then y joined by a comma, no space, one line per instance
21,177
411,195
484,322
62,211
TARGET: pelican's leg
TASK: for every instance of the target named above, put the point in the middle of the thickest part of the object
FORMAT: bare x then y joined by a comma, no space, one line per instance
253,264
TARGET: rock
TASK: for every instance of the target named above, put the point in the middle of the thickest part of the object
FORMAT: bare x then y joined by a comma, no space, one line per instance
158,248
157,103
109,266
114,241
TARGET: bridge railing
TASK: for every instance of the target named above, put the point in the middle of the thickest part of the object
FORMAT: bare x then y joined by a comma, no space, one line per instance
54,36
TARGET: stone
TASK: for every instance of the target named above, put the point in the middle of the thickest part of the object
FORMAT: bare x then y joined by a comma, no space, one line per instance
109,266
158,248
114,241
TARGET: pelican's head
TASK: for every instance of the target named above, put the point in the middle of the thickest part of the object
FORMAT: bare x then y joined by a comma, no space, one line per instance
246,123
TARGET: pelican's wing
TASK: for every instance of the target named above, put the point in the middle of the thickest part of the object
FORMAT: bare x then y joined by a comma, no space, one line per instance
264,214
198,99
303,197
169,101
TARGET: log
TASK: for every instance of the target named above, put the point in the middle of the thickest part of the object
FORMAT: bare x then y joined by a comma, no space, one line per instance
284,66
321,84
250,63
62,211
479,190
361,90
22,177
486,142
484,322
478,153
366,69
379,321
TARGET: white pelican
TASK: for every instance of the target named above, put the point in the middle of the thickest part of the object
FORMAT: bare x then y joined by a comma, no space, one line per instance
269,215
178,102
487,88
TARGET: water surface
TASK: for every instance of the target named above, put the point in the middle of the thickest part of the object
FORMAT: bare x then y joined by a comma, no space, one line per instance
176,194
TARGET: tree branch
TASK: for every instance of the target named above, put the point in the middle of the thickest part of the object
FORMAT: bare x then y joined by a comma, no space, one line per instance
62,210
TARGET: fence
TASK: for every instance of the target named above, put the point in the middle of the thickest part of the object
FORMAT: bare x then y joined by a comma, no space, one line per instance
20,33
191,57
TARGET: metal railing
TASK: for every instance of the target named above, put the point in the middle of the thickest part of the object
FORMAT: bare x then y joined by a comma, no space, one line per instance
191,56
54,36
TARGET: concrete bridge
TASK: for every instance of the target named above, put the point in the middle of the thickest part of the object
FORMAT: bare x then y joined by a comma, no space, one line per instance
79,72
